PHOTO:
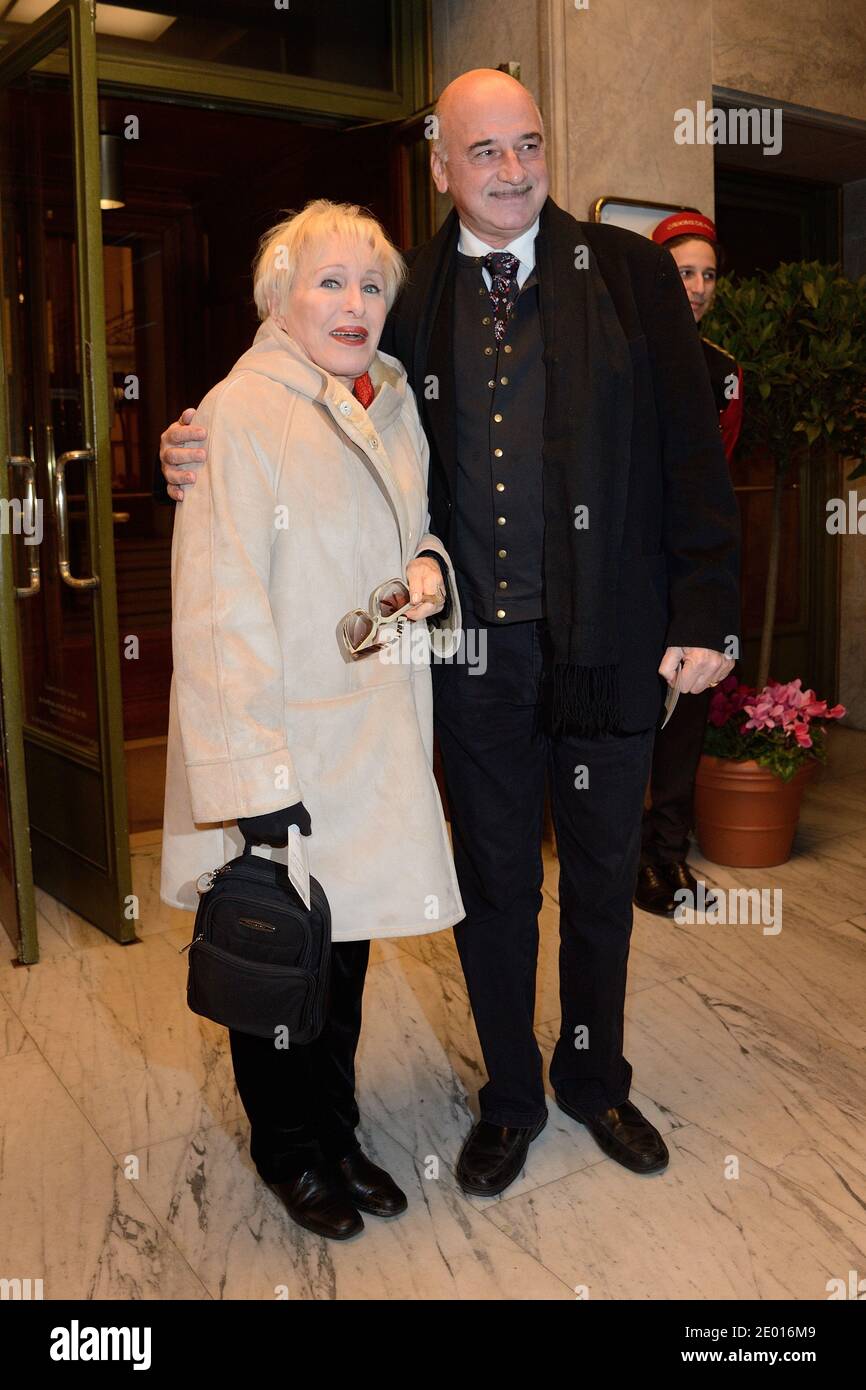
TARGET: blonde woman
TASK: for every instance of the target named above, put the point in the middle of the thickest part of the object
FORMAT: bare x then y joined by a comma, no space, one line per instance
314,496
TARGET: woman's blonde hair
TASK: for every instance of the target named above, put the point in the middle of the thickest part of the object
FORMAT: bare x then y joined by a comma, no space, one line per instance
282,248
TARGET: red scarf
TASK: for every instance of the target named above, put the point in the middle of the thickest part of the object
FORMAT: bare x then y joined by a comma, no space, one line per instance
363,389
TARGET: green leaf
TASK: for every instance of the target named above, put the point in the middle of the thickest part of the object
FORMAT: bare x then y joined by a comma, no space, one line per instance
799,334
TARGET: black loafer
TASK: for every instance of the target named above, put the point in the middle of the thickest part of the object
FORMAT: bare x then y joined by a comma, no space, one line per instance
680,876
653,892
369,1188
493,1156
317,1201
625,1135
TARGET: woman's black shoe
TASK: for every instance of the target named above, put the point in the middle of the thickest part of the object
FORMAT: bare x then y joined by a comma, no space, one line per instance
370,1189
317,1201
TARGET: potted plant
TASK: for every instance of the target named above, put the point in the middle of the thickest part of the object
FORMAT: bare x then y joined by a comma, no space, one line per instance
799,334
760,749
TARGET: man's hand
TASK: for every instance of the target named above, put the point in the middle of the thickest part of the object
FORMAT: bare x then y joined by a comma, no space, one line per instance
424,576
702,667
176,461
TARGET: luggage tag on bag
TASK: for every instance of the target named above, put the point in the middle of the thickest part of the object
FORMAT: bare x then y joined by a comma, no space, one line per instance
294,856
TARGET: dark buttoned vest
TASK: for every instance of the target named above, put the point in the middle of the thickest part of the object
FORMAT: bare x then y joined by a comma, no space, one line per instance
500,391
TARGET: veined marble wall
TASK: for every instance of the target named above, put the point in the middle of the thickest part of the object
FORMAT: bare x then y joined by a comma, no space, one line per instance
609,75
809,54
608,78
482,34
612,77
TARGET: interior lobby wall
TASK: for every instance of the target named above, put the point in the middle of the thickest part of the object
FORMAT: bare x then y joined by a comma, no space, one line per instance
610,76
812,55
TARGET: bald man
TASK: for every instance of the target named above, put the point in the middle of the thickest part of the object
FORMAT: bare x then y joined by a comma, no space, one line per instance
579,482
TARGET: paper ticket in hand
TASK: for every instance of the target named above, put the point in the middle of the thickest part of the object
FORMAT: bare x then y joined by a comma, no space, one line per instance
294,856
672,696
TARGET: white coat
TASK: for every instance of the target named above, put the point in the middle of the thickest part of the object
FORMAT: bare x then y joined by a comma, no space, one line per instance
306,503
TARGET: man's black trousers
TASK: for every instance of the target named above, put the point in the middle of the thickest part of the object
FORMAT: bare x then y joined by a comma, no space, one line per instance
496,757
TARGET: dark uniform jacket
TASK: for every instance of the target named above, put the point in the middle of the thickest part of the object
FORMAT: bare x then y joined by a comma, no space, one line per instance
726,379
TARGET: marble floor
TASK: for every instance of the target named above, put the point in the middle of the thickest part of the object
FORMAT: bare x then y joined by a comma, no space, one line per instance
124,1170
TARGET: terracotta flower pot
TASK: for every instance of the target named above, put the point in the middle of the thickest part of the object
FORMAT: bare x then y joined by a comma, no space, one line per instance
746,816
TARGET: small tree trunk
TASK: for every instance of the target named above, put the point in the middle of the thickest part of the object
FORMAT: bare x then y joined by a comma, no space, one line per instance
771,591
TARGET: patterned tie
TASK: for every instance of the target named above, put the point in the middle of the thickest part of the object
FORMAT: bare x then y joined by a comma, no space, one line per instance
363,389
503,267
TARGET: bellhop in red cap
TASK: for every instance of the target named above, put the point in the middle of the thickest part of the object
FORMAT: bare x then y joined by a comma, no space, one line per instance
686,223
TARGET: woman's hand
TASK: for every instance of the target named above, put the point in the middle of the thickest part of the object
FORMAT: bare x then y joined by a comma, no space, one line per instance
424,577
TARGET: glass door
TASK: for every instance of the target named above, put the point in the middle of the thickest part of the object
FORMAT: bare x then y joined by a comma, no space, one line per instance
17,908
54,424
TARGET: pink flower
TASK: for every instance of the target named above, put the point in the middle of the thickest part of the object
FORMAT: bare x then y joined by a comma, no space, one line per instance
719,711
728,700
762,713
780,705
789,708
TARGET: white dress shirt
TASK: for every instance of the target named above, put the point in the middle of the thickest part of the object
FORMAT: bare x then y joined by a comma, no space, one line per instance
523,247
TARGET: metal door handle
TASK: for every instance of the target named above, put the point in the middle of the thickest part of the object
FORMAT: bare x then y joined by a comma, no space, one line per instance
116,517
22,461
61,517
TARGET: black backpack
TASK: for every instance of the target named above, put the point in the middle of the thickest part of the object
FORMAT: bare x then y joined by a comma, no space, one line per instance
258,960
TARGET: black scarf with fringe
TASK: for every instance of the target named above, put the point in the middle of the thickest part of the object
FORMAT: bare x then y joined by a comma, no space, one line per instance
586,462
